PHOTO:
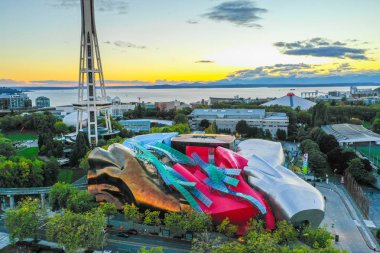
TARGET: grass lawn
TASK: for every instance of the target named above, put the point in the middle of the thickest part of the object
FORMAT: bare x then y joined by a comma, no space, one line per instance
65,175
30,153
70,175
23,136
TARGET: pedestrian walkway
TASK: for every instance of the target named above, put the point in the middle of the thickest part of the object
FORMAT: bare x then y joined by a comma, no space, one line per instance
374,208
4,240
354,213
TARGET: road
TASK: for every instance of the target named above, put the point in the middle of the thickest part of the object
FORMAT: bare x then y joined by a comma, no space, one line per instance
135,242
341,219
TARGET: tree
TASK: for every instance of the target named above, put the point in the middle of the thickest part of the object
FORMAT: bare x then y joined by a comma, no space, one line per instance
80,148
6,147
180,119
108,209
319,114
356,168
230,247
196,222
51,168
267,134
59,195
151,250
80,202
285,232
376,125
61,128
212,129
242,127
173,220
328,143
227,228
152,217
205,243
77,230
317,238
281,134
131,212
23,221
204,123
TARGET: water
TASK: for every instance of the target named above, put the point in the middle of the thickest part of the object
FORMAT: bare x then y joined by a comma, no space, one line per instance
69,96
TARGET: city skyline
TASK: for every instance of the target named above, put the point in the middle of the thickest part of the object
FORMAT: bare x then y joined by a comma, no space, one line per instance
168,42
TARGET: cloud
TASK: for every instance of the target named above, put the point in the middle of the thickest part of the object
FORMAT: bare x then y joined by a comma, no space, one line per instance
192,21
204,61
240,12
320,47
114,6
124,44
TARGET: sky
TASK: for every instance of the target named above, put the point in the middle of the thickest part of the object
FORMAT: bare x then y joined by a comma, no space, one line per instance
207,41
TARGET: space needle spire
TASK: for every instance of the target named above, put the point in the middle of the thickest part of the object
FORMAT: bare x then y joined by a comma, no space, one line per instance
91,77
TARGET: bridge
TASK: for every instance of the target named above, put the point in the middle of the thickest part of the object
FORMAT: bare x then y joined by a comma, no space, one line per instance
10,193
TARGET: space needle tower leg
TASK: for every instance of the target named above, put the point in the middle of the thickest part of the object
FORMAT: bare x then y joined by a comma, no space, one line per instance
91,77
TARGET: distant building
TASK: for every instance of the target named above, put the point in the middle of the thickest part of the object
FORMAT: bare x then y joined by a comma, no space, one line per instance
172,105
118,108
61,111
142,125
42,102
292,101
149,106
136,125
12,99
355,92
371,100
235,99
228,118
348,134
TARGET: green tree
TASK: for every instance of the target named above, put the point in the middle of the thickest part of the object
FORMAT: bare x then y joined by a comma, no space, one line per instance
356,168
230,247
173,220
196,222
51,168
108,209
205,243
225,227
81,201
204,123
180,119
281,134
132,213
80,148
23,221
317,238
328,143
152,217
242,127
285,232
212,129
77,230
6,147
376,125
59,195
319,114
61,128
151,250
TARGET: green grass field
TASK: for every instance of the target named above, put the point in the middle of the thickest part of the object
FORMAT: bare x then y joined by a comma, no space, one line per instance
23,136
30,153
373,154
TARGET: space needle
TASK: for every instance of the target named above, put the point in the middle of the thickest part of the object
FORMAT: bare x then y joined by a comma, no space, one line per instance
90,104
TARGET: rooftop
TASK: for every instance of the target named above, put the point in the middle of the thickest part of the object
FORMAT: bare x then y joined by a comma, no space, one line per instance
351,133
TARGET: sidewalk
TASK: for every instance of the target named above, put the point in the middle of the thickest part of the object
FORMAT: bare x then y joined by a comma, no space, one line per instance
4,240
355,214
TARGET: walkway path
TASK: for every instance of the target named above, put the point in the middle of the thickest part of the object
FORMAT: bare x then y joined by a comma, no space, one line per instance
4,240
347,219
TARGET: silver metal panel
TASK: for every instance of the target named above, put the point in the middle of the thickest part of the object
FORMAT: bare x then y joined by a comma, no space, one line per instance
290,197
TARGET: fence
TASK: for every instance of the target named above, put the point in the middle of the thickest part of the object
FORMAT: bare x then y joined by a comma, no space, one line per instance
357,193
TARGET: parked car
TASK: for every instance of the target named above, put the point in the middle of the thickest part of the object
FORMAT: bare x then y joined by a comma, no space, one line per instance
132,231
122,234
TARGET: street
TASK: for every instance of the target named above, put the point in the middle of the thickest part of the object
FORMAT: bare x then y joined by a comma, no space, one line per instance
135,242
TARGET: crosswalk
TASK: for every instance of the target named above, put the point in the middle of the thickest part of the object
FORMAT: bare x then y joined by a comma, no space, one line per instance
4,240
